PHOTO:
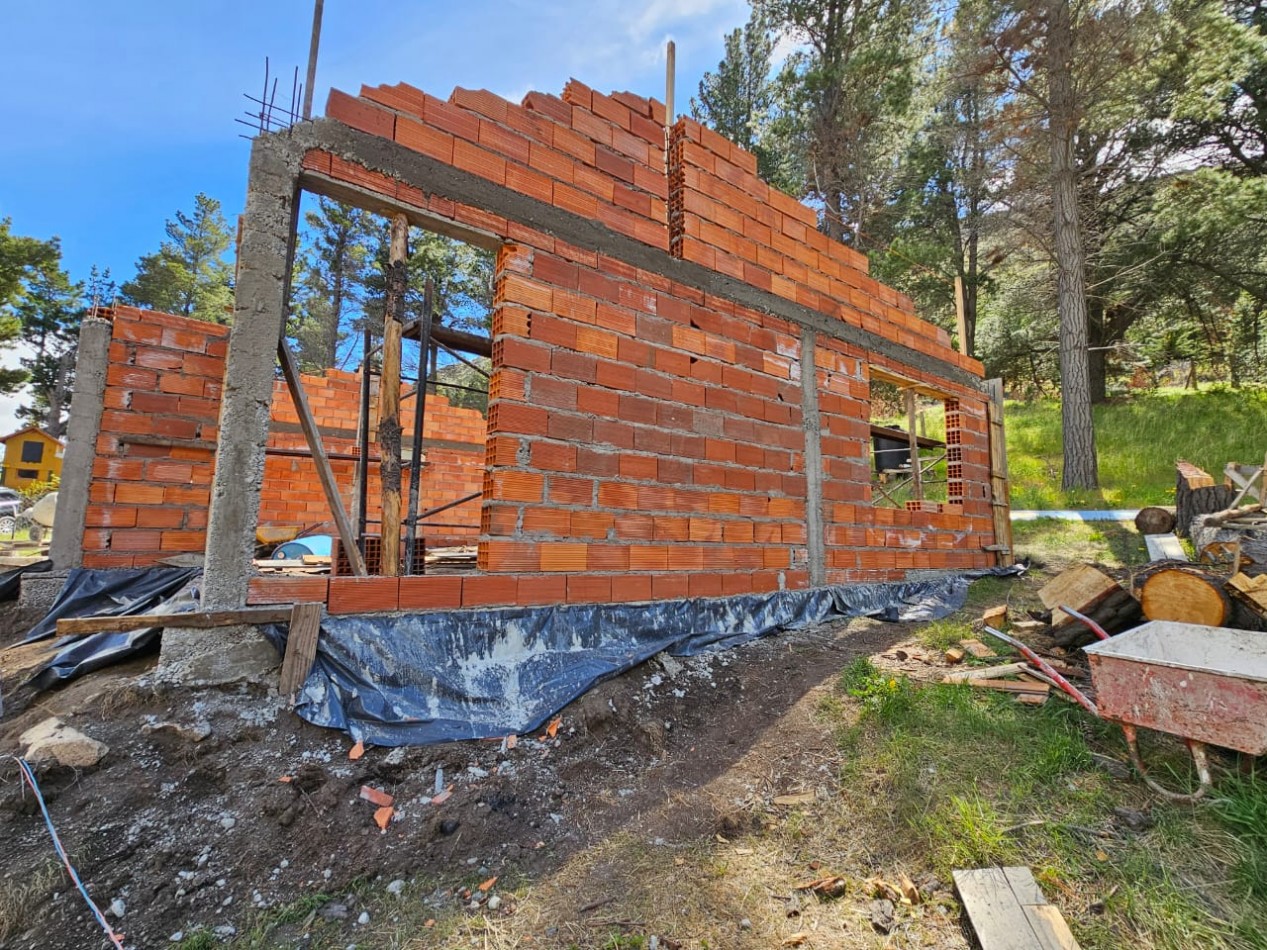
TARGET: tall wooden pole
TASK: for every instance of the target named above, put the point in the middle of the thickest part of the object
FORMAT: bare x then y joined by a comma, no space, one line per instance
389,395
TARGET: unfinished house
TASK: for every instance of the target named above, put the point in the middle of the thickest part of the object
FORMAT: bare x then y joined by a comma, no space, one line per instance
683,398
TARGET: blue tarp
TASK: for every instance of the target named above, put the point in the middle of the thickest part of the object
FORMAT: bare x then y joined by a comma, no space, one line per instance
393,680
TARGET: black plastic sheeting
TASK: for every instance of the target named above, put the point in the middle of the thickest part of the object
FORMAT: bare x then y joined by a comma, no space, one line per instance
11,581
91,593
391,680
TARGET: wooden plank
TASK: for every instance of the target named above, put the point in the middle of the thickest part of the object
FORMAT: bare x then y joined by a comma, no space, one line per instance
301,647
1009,912
290,369
1011,686
1164,547
199,621
985,673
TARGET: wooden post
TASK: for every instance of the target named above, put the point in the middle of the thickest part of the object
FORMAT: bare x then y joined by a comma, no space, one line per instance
1000,493
389,395
301,648
290,369
961,318
917,476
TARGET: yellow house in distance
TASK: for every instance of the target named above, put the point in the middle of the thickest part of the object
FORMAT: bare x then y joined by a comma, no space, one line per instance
31,455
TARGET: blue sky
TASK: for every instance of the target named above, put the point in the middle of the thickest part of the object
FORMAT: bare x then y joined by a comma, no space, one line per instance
114,115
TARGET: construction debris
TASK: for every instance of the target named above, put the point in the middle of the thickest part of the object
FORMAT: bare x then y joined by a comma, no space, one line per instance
53,742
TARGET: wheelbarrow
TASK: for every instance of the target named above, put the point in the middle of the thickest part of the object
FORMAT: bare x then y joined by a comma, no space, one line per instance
1205,685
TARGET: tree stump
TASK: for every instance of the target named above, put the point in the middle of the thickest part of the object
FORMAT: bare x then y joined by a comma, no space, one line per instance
1196,494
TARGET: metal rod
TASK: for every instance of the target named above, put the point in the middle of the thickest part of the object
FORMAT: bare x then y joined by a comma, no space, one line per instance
453,504
416,463
317,8
389,395
1086,621
462,359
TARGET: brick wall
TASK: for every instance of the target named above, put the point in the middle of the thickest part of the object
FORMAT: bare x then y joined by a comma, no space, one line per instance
156,449
644,437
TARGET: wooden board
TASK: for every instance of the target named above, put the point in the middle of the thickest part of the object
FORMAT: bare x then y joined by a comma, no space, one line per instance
1009,912
301,647
1164,547
985,673
1012,686
197,621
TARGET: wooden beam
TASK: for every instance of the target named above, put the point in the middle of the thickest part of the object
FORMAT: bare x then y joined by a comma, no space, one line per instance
197,621
290,369
389,395
301,648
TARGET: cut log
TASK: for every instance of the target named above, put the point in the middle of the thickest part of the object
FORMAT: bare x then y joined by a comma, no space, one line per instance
995,616
1155,521
1196,494
1250,591
1093,593
1218,543
1177,592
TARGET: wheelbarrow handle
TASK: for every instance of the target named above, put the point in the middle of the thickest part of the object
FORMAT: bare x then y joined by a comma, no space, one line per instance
1077,694
1198,758
1086,622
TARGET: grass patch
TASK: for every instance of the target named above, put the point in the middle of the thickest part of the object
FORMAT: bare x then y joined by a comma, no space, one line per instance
1137,440
1059,544
950,777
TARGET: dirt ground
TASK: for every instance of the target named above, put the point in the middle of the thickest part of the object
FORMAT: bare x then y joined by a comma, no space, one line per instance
674,794
193,832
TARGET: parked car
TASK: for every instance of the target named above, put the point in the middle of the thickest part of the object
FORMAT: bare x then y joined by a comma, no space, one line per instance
11,502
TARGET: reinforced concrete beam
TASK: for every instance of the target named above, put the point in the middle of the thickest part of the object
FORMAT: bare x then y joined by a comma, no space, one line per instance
66,550
816,543
259,310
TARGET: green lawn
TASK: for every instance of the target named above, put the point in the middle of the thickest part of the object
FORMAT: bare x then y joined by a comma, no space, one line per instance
1138,440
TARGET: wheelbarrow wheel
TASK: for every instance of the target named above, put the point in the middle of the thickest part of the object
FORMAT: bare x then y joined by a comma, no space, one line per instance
1197,749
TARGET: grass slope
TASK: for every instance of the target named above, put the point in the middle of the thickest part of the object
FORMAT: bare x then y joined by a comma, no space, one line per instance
1138,440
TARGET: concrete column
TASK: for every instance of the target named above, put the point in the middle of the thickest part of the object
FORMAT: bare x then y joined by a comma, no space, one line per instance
812,424
259,312
92,359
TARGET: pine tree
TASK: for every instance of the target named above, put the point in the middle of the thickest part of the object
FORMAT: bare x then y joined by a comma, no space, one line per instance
330,271
50,312
188,274
22,260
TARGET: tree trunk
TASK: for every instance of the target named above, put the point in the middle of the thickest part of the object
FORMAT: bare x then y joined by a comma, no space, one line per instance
1080,465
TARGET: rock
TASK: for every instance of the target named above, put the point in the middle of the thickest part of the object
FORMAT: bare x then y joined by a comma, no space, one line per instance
1135,820
225,931
118,908
494,902
333,911
52,741
448,826
227,822
395,887
189,732
364,918
882,918
177,937
745,924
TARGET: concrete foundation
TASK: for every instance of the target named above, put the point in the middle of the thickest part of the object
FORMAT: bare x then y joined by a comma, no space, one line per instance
40,590
215,657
